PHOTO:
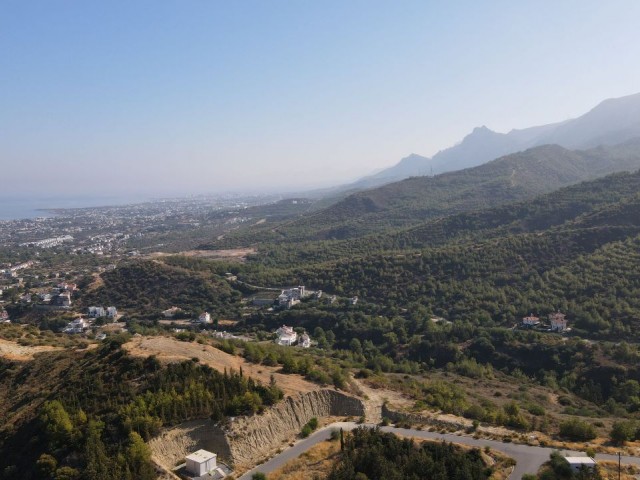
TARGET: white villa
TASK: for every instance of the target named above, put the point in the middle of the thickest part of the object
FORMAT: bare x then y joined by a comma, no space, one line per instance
558,322
530,321
79,325
97,312
204,318
112,312
171,312
304,341
292,296
286,336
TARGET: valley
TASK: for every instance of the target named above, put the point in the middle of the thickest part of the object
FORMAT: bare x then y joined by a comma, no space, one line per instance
496,306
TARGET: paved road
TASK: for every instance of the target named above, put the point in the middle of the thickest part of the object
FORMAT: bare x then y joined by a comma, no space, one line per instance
528,458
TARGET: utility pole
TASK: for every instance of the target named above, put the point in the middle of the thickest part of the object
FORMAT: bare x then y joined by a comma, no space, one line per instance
619,466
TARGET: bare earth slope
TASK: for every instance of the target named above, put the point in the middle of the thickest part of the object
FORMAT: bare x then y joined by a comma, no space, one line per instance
171,350
15,351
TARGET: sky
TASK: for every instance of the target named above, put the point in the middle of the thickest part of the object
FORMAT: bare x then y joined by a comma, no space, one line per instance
187,97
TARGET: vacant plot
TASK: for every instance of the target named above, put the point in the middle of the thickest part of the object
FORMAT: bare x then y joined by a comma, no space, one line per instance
170,349
230,254
14,351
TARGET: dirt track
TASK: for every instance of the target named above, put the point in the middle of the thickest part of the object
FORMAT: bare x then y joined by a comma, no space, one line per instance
172,350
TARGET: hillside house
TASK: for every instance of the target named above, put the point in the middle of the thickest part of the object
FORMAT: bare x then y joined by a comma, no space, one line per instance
112,312
286,336
4,316
292,296
96,312
304,341
353,300
558,322
79,325
201,462
204,318
530,321
171,312
62,300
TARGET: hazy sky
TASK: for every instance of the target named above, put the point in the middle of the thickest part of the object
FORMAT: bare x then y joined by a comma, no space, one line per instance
202,96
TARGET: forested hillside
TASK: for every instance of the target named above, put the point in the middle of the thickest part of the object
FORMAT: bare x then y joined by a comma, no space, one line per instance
87,415
146,288
491,266
413,201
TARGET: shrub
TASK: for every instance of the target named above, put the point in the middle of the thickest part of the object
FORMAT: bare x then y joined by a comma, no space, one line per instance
622,432
313,423
306,431
575,429
536,410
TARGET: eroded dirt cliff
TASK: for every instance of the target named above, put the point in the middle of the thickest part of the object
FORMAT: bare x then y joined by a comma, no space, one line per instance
246,441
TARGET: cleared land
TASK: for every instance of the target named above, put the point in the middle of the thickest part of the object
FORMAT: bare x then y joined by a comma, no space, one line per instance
230,254
172,350
14,351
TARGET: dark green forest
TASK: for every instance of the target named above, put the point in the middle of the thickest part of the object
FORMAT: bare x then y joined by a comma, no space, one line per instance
374,455
87,415
146,288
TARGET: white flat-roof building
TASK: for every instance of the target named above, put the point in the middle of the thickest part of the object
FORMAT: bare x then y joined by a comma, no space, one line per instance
286,336
201,462
578,463
205,317
78,325
112,312
97,312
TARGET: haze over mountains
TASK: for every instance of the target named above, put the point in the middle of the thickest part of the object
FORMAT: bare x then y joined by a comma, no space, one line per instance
611,122
511,178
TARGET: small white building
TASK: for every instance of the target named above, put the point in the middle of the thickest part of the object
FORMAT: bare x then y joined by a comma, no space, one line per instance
558,322
581,463
286,336
530,321
96,312
305,341
201,462
171,312
353,300
204,318
79,325
112,312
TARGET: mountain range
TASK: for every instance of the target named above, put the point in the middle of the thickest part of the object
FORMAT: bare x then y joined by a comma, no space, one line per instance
515,177
611,122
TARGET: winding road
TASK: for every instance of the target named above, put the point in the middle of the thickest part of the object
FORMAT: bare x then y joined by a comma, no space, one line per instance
528,458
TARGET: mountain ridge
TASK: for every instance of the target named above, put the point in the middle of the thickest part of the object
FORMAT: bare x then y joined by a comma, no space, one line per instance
612,121
507,179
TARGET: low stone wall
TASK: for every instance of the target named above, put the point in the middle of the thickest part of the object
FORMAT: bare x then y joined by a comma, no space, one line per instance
416,419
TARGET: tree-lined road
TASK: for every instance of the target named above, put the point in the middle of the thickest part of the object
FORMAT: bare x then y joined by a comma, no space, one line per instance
528,458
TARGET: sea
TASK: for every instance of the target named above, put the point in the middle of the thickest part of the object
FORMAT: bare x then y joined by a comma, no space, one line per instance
18,208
